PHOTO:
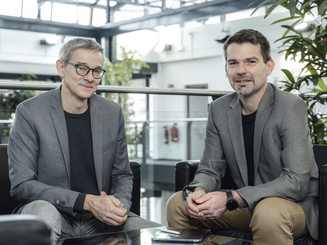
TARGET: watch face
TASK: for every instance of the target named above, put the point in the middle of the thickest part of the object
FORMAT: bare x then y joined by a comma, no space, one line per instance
232,205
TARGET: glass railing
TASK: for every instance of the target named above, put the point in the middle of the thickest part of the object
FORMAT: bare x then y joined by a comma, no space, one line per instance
156,139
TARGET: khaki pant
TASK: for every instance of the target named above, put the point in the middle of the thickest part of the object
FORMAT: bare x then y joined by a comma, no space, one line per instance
273,220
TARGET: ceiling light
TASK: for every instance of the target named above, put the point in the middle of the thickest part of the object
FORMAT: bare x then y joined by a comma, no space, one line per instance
49,41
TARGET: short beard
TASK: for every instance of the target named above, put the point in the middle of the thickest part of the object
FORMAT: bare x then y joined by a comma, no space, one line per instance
249,89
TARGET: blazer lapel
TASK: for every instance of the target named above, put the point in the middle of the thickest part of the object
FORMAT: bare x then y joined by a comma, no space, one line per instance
96,127
236,132
59,122
262,115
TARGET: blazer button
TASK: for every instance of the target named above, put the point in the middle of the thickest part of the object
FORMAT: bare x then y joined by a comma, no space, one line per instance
58,202
63,203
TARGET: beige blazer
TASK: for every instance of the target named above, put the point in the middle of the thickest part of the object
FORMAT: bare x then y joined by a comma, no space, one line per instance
284,164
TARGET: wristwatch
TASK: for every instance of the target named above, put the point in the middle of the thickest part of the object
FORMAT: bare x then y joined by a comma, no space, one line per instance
231,202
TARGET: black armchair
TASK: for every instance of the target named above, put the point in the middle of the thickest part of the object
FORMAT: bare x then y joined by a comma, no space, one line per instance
8,204
184,174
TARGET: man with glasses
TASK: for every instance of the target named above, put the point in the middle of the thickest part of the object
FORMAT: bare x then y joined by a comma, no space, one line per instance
68,154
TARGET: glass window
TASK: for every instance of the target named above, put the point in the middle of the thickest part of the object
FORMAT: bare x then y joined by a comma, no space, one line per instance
99,17
30,9
11,8
64,13
128,12
46,11
143,41
83,15
172,4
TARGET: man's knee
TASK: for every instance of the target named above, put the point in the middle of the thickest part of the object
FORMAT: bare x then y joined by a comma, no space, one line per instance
175,208
271,211
39,208
48,212
175,200
174,203
277,218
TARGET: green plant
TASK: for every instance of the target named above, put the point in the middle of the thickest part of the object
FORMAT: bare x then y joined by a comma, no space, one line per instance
9,100
121,74
309,49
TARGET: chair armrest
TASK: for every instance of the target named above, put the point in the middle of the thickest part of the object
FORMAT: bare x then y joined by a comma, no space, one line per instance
136,197
323,204
184,173
24,229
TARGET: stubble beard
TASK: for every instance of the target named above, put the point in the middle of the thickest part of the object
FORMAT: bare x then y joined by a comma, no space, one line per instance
246,89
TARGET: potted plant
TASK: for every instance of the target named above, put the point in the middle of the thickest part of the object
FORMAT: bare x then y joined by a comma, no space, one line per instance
309,50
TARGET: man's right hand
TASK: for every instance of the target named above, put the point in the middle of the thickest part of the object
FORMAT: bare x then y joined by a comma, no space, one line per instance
106,208
191,204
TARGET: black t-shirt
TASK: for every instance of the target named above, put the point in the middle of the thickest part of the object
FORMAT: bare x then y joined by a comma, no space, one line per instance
248,135
83,178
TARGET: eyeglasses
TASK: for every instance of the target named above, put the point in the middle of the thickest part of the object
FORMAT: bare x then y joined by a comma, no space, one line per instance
83,70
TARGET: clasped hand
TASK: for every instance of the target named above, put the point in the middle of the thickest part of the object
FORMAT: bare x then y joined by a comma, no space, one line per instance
106,208
202,205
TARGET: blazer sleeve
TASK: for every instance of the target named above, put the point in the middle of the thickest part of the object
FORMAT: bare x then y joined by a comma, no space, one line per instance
23,154
121,185
212,165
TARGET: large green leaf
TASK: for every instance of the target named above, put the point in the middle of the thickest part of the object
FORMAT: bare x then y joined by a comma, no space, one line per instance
293,29
289,75
322,85
285,19
292,6
322,8
320,132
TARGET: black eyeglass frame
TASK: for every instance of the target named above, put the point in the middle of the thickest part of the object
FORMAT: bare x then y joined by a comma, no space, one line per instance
89,69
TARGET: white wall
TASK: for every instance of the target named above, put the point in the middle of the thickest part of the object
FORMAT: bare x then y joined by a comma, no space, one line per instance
21,52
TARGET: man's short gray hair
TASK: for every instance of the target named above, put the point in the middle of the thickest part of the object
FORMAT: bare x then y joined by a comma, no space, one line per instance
71,46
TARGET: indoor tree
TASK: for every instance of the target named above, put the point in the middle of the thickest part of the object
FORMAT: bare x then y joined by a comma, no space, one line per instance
121,74
309,49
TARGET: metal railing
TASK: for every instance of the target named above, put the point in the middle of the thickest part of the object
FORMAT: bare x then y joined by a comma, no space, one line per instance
18,85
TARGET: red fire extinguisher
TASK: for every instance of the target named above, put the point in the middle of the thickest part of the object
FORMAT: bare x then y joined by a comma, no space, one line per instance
166,134
174,133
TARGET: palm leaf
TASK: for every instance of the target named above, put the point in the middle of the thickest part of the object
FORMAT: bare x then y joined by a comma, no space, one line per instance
322,8
289,75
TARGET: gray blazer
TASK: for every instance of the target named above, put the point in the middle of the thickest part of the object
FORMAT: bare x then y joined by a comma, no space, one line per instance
284,163
38,151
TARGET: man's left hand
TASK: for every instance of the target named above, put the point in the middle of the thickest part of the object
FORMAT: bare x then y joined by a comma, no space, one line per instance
106,208
212,204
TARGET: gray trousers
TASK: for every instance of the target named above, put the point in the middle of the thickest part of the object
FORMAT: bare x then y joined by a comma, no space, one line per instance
83,224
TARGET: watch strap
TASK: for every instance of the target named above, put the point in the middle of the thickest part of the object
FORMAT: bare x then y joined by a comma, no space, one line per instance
229,196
